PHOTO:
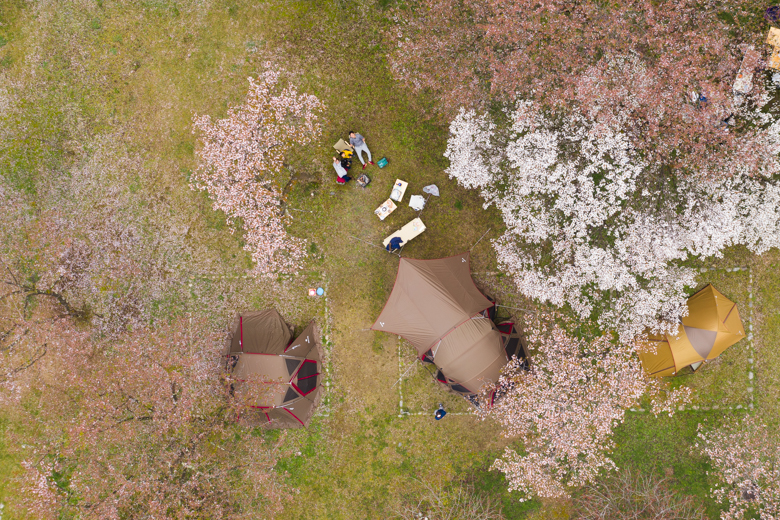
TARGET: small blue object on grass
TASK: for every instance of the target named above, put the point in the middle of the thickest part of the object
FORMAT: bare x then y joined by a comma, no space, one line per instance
320,291
382,162
440,412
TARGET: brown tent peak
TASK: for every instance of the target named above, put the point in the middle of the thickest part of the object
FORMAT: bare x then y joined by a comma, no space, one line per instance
436,306
429,299
260,346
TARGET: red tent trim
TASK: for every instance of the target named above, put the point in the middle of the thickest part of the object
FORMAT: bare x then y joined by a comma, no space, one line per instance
299,368
296,418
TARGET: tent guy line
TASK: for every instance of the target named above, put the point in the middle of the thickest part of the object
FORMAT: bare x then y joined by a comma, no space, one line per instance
480,239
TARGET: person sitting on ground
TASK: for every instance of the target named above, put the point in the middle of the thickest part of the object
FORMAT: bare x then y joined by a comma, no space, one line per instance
346,159
358,144
341,172
441,412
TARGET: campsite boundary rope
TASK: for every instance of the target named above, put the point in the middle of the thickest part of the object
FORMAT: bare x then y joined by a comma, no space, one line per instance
323,410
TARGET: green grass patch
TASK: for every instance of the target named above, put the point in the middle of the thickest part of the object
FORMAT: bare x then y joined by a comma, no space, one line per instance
663,446
10,472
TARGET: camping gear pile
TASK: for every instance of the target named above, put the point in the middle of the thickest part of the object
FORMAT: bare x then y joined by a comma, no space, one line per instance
412,229
345,153
398,239
258,349
436,306
711,326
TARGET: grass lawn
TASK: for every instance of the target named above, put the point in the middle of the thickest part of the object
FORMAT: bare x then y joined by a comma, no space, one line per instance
662,445
125,80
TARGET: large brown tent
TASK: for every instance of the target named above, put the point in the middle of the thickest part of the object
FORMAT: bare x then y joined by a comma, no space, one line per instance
258,348
438,309
711,326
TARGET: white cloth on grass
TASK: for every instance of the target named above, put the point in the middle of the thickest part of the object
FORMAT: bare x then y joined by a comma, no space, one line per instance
417,202
432,189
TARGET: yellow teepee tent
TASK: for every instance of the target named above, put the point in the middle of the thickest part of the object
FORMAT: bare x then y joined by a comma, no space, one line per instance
712,325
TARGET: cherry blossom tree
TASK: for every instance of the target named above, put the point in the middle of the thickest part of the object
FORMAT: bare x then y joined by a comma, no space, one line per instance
745,457
114,256
114,422
661,70
142,425
119,405
242,157
588,224
565,407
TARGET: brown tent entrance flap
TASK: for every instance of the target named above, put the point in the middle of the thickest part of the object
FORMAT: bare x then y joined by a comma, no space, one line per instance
436,306
712,325
264,354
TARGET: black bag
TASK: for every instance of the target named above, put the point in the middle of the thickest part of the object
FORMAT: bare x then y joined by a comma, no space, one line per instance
363,181
346,164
